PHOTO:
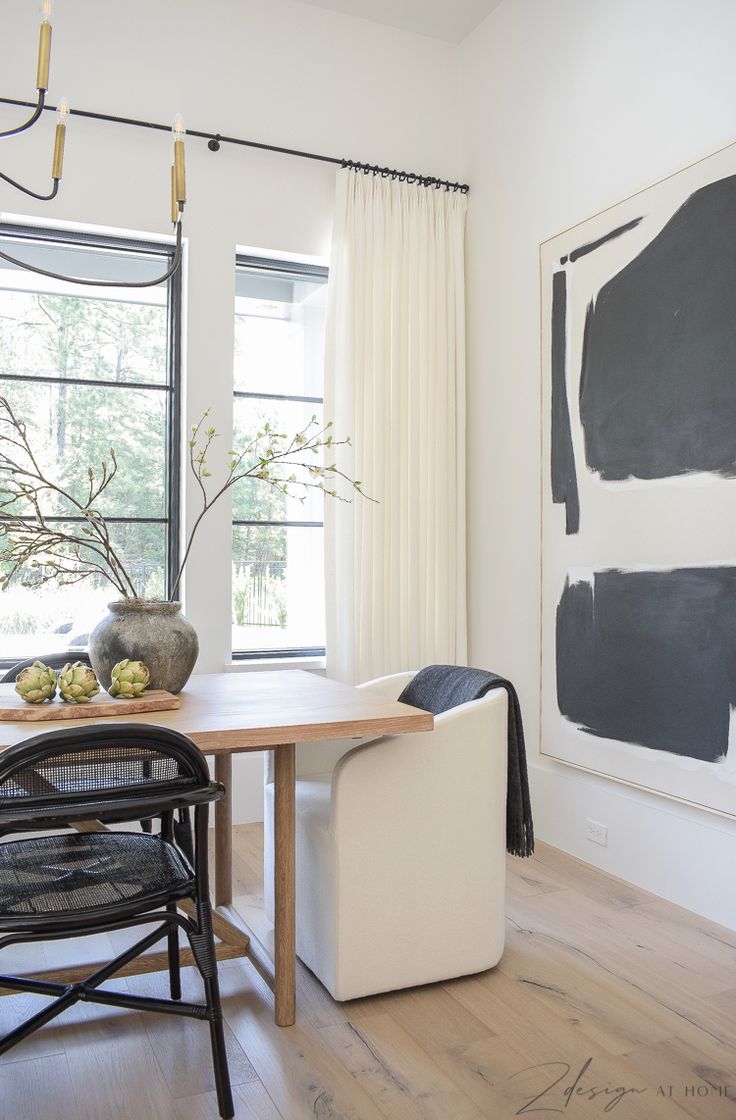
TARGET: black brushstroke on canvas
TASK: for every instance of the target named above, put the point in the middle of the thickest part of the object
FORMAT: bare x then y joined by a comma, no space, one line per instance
562,459
650,658
658,378
593,245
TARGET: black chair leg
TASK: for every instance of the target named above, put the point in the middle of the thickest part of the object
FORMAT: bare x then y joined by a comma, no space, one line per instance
219,1050
203,946
174,959
183,834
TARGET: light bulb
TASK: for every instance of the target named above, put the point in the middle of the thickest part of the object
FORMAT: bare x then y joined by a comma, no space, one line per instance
178,130
62,111
46,10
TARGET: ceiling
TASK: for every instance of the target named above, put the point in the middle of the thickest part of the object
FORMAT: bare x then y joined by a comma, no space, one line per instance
451,20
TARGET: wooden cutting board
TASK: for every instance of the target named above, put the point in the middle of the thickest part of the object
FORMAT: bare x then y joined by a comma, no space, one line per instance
12,707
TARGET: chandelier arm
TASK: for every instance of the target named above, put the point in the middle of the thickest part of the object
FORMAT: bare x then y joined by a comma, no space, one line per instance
31,120
33,194
176,261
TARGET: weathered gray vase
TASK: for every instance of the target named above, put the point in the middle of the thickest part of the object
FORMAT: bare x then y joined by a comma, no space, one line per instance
145,630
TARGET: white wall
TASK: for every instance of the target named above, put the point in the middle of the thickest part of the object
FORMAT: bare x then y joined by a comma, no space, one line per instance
568,106
280,72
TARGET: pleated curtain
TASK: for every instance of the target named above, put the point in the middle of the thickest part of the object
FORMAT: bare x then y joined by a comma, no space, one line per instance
395,382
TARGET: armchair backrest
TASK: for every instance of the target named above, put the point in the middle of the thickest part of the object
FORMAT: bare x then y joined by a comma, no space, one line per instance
454,774
319,758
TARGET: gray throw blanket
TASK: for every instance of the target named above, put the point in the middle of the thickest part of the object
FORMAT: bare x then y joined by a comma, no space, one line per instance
441,687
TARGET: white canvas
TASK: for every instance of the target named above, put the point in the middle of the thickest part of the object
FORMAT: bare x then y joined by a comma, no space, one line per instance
683,522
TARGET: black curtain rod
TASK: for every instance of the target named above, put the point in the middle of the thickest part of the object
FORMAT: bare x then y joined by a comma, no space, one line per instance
215,139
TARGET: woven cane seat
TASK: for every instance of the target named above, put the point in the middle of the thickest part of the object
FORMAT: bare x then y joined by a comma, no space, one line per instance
84,871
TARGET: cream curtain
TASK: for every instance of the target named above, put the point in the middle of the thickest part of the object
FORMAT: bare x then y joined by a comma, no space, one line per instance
395,382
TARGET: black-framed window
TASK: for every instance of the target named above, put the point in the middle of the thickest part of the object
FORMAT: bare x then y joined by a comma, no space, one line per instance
88,369
278,542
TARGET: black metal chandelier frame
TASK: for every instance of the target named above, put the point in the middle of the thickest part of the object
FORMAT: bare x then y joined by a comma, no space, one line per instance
178,188
31,120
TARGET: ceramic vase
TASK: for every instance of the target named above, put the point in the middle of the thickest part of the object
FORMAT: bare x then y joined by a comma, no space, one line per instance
147,630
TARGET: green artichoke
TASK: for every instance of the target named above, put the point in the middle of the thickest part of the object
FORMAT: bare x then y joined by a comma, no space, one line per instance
36,683
129,679
78,683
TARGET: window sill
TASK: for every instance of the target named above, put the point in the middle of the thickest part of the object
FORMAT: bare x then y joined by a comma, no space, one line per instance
263,664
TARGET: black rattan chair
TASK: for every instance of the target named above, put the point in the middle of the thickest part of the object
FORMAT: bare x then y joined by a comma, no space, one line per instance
72,884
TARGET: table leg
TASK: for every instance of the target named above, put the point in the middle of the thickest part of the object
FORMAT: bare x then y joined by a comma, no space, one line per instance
285,883
224,832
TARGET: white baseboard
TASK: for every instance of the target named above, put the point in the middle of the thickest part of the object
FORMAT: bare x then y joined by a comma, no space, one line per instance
679,853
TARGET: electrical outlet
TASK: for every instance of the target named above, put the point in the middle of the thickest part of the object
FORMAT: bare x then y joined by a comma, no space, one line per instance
597,832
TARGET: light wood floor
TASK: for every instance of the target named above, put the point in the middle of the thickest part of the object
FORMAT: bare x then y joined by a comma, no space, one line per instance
593,969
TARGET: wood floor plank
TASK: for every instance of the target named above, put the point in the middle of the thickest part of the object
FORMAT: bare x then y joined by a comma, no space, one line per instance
430,1015
567,871
182,1046
38,1088
385,1085
417,1073
515,1013
669,992
316,1006
248,860
251,1101
300,1073
531,1034
725,1001
118,1080
700,1086
503,1080
523,882
611,1013
13,1011
630,944
690,930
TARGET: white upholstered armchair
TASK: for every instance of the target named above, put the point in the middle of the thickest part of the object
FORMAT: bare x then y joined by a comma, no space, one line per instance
401,851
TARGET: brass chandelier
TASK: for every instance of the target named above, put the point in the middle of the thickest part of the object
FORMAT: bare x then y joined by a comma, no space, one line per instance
178,172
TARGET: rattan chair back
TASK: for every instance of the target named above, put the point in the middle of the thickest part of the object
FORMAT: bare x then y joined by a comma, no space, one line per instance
53,660
105,771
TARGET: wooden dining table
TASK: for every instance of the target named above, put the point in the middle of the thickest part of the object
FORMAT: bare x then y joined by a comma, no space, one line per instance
237,713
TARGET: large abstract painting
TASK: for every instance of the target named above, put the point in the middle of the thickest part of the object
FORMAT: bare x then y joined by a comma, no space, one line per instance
639,489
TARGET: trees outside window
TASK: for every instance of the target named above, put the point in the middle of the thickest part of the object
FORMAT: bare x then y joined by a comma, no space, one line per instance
278,554
88,369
